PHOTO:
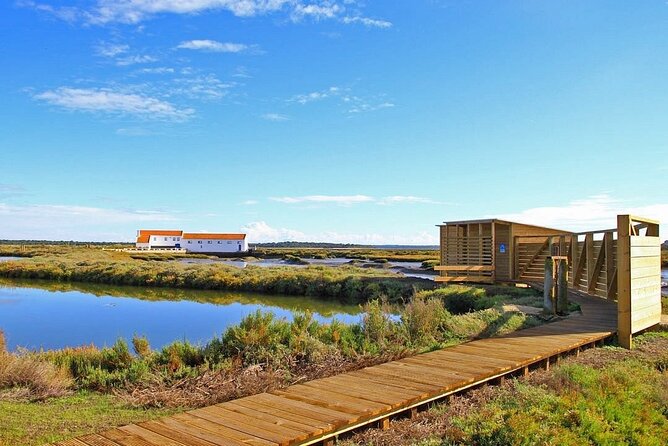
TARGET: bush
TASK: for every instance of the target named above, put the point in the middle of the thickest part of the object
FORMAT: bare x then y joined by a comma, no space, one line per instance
141,346
423,320
41,379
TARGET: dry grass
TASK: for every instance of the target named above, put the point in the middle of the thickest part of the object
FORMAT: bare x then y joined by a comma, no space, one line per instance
213,387
24,377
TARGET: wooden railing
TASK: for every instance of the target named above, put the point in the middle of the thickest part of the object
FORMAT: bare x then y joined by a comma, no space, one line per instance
638,276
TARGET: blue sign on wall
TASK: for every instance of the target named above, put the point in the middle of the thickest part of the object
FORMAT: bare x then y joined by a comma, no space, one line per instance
502,248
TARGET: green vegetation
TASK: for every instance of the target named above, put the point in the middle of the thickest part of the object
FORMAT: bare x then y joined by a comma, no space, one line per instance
607,396
283,351
31,424
346,284
397,255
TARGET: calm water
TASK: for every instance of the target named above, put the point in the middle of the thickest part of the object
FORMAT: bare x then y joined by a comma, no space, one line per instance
41,314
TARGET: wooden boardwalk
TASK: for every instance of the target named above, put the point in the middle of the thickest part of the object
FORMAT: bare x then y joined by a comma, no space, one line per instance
317,411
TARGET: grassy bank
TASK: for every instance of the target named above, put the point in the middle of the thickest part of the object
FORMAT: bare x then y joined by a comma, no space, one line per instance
607,396
31,424
259,354
346,284
397,255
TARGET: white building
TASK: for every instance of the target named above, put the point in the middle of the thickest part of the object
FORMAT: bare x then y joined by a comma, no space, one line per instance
192,241
214,243
158,238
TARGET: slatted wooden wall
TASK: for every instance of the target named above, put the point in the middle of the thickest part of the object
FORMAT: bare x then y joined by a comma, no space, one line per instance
638,276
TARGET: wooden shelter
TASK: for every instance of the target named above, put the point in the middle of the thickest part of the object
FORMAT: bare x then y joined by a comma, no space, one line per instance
494,250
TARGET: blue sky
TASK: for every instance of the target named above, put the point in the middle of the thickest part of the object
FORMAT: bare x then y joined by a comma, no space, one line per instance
344,121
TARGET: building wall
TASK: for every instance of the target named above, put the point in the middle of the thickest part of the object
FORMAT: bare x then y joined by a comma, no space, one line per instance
214,246
164,241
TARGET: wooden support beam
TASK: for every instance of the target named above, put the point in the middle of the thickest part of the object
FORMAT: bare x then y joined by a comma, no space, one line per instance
610,267
624,280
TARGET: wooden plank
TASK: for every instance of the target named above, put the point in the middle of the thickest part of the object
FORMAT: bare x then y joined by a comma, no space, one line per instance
645,251
645,241
126,438
272,418
97,440
153,437
464,268
313,410
219,414
299,416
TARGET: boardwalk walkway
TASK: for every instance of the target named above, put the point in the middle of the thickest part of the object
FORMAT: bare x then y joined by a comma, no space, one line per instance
316,411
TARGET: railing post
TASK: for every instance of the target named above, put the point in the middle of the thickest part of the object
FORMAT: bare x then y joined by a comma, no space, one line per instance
624,280
562,286
548,290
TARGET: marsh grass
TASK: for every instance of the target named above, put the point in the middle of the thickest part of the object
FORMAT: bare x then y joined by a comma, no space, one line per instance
346,284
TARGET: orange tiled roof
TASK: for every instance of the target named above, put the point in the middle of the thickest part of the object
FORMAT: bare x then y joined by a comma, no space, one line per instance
145,234
210,236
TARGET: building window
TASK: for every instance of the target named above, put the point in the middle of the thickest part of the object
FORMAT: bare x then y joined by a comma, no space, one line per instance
189,242
155,239
165,238
199,241
219,242
209,242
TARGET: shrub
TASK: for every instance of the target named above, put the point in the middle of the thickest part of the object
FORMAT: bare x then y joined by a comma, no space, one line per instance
3,343
423,319
141,346
258,338
116,357
376,324
41,378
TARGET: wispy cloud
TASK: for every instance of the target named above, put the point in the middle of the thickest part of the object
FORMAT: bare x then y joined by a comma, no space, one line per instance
207,87
325,10
213,46
337,199
157,70
275,117
135,59
401,199
250,202
67,222
108,101
591,213
348,200
104,12
375,23
106,49
261,231
352,102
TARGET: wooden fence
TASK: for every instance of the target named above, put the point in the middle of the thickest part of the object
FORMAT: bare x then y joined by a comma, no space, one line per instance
621,264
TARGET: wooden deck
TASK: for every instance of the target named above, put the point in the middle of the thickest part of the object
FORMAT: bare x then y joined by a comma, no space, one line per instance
317,411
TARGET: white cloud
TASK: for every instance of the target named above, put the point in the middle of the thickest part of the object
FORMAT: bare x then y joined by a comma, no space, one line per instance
401,199
355,199
260,231
367,21
337,199
157,70
107,49
276,117
104,12
592,213
136,59
114,102
326,10
345,97
362,107
134,11
250,202
66,222
200,87
213,46
315,95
